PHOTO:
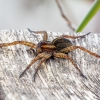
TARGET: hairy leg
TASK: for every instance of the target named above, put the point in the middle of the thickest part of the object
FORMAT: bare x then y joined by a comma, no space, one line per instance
62,55
42,60
75,37
18,42
45,37
41,55
71,48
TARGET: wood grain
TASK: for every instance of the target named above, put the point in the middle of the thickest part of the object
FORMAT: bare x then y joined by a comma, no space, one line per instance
57,79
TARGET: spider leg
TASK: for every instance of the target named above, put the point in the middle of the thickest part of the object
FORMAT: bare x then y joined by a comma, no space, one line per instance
71,48
42,60
41,55
45,37
62,55
75,37
32,45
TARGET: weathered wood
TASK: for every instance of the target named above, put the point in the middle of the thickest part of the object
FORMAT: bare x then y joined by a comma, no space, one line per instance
57,79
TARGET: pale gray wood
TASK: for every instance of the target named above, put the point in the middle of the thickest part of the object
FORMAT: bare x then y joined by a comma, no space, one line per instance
57,79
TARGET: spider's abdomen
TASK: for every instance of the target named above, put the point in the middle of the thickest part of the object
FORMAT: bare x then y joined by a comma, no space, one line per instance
61,43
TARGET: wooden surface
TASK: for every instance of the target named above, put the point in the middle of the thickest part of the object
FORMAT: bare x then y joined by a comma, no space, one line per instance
57,79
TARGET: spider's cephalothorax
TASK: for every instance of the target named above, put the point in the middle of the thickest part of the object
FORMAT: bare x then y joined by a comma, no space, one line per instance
40,47
45,49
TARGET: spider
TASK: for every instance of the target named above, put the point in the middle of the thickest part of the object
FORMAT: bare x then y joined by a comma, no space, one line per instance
59,48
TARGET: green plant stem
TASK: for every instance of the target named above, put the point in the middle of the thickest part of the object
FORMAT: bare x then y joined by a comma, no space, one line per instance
91,13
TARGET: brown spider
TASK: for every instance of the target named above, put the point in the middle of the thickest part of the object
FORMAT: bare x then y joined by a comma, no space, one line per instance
59,47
